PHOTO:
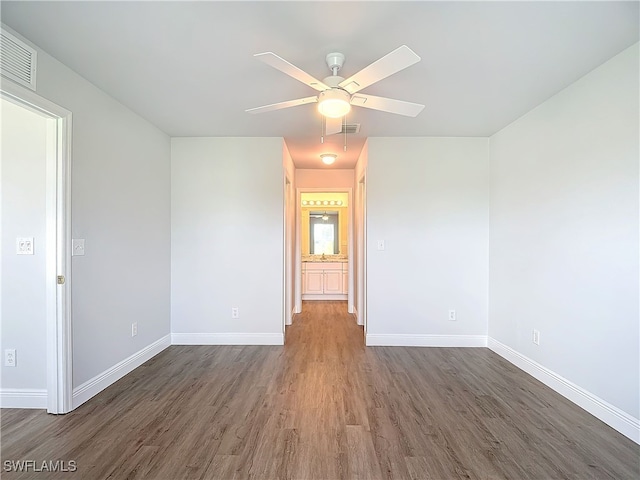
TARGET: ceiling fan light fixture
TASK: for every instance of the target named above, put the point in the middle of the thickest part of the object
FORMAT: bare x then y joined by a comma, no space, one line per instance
334,103
328,158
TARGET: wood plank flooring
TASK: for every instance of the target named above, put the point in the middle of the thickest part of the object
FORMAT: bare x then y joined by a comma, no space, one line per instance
322,407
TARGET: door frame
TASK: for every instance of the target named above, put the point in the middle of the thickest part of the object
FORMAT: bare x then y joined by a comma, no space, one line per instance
289,211
361,253
58,245
298,247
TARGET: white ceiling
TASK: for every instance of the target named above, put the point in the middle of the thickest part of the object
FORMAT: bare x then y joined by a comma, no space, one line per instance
188,67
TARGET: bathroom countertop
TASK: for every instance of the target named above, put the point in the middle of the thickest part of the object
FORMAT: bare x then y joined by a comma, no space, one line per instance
328,258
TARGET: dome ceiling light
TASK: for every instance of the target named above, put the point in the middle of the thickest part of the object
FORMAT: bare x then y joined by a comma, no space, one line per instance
328,158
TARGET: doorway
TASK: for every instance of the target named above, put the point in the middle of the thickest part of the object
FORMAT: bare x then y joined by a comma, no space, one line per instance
51,244
324,246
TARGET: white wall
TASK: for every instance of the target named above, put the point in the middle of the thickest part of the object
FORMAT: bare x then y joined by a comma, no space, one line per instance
227,240
23,152
321,178
121,206
564,233
427,198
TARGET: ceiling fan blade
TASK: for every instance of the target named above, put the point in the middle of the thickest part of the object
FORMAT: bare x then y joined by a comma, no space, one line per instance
281,64
281,105
401,58
332,126
387,105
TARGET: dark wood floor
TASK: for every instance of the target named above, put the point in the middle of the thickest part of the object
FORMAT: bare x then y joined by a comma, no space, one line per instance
323,407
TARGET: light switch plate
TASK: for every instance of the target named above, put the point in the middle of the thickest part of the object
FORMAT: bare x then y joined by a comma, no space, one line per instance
24,246
380,244
77,247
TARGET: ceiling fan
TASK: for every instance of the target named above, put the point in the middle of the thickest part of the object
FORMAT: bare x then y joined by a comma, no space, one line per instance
337,94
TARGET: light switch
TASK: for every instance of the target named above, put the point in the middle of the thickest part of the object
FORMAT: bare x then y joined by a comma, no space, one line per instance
77,247
24,246
380,244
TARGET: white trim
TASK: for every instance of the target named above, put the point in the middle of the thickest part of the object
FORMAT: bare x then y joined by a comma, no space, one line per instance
64,337
408,340
227,339
599,408
58,245
101,381
23,398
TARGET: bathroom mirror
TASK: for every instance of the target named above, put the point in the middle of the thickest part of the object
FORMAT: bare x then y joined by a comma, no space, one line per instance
324,232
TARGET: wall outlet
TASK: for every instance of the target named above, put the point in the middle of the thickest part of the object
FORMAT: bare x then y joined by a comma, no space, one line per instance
24,246
134,329
235,312
452,316
536,337
10,357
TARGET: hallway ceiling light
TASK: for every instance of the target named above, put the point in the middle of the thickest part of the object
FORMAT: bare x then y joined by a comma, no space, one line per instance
328,158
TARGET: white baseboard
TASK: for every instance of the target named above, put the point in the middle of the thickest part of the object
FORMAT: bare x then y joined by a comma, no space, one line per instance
23,398
599,408
324,296
400,340
227,339
101,381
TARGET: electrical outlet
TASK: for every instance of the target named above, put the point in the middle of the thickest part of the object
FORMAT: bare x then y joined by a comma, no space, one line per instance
452,316
536,337
24,246
10,357
235,312
134,329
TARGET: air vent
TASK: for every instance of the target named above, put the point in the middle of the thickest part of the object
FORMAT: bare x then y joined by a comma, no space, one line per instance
350,128
17,60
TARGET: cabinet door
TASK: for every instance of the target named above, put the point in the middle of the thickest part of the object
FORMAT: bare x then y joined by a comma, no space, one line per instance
345,282
332,281
313,282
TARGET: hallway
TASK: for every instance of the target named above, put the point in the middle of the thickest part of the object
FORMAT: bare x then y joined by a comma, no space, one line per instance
323,407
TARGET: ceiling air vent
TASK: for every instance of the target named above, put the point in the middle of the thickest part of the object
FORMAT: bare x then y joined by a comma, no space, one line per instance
350,128
17,60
